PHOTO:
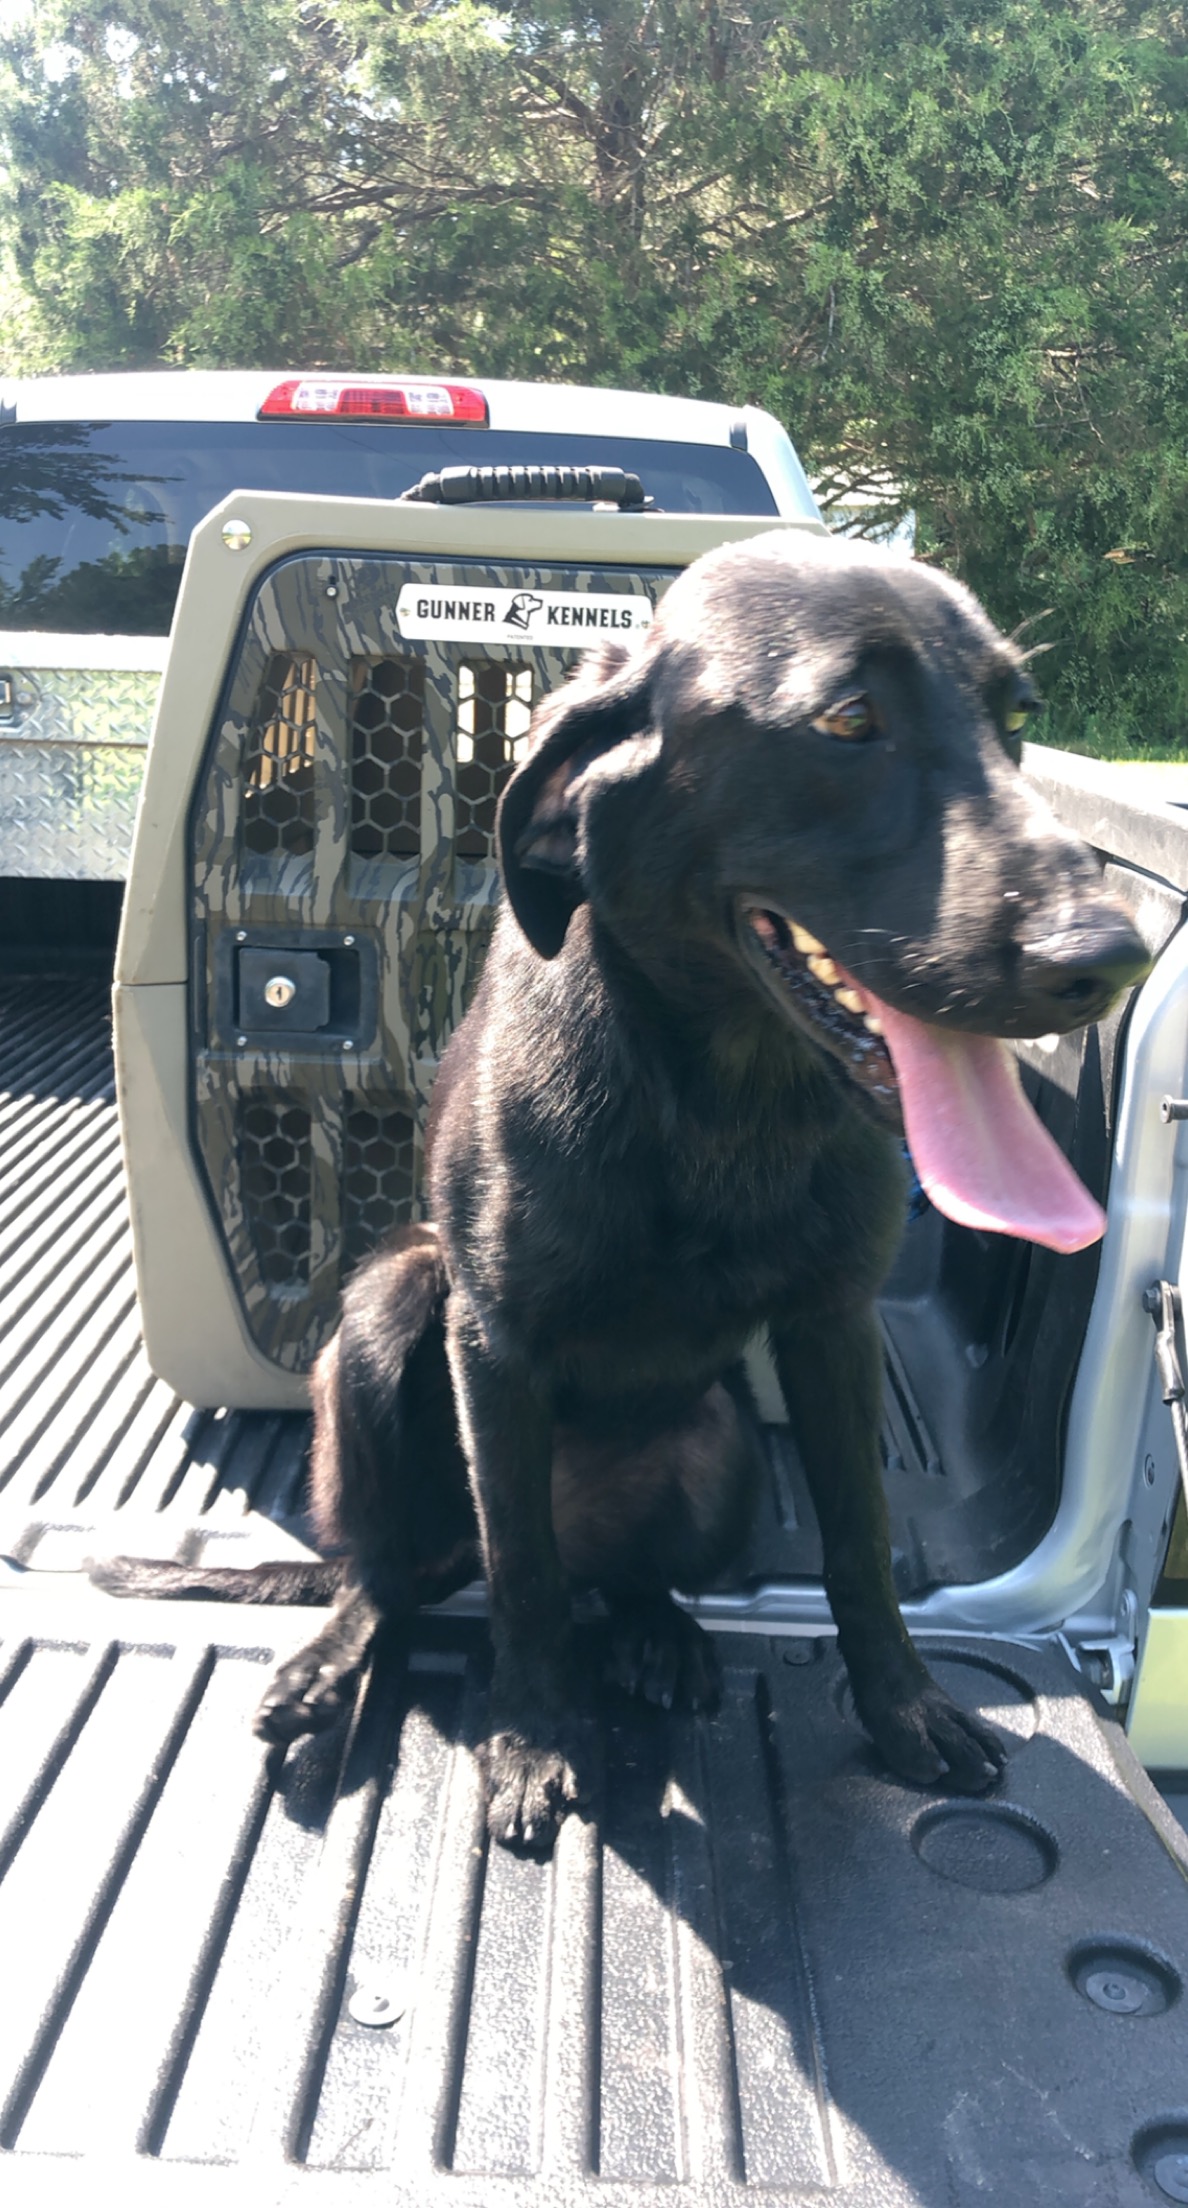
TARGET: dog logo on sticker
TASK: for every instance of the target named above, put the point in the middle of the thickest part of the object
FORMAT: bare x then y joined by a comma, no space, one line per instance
521,609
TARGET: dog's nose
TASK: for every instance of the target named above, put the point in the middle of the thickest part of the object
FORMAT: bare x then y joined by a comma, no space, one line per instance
1078,971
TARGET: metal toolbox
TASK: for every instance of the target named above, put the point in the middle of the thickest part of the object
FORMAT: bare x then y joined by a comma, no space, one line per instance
75,716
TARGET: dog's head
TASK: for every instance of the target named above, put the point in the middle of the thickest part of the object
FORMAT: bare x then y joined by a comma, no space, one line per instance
806,779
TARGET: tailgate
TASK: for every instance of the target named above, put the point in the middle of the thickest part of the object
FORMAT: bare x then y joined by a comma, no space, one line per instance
755,1969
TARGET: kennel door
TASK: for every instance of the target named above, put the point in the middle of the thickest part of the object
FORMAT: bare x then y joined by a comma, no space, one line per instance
342,887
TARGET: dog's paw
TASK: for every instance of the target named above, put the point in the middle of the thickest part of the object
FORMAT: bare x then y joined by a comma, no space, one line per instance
925,1736
531,1787
662,1654
307,1695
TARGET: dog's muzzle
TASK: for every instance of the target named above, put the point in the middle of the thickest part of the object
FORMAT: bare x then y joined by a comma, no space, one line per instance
981,1154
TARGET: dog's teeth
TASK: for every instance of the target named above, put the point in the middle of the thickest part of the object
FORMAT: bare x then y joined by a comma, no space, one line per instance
849,1000
872,1023
803,940
823,969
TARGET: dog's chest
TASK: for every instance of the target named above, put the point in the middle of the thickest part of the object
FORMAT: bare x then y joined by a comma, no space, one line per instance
710,1235
654,1235
684,1274
718,1206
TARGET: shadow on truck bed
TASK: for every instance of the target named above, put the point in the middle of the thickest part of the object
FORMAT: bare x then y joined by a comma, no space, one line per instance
58,927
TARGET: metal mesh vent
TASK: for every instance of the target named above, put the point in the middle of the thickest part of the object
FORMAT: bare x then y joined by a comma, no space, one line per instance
275,1165
377,1192
387,739
278,796
494,709
309,1137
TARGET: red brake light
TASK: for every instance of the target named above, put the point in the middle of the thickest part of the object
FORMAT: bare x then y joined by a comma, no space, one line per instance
381,398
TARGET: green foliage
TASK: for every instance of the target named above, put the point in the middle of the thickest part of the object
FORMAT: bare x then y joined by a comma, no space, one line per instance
949,246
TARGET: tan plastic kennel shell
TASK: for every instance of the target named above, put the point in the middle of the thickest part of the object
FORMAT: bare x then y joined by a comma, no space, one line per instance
312,884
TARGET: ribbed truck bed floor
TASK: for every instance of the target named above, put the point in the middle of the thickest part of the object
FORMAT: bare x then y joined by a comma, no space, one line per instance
93,1450
754,1969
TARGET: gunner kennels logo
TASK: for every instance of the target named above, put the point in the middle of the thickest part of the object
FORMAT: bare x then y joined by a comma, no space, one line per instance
492,614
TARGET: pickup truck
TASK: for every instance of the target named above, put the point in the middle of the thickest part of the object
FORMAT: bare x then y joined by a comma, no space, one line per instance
756,1967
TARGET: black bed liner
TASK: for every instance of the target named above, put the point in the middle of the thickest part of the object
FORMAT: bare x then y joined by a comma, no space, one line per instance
93,1449
756,1967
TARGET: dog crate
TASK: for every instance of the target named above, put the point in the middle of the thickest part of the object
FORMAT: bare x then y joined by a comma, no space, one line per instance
313,884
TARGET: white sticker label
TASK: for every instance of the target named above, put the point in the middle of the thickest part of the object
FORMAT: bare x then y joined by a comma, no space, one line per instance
493,614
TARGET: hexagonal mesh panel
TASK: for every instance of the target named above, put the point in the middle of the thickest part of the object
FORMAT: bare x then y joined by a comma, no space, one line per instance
387,740
274,1180
377,1180
278,770
494,709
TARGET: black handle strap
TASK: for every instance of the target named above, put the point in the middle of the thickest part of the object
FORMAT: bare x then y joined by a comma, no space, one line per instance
463,486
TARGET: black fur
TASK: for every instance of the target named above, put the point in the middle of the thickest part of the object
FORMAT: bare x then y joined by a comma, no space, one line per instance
639,1152
300,1583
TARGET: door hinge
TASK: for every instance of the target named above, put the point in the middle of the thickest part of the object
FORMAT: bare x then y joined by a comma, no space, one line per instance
1162,1302
1109,1663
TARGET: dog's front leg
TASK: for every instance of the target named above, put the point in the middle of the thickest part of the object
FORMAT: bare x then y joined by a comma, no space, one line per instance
507,1434
312,1689
830,1369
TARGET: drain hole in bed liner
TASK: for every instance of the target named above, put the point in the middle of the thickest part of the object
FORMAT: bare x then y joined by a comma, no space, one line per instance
1123,1979
1160,2153
985,1846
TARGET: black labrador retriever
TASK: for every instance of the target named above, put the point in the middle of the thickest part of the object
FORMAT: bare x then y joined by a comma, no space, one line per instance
773,882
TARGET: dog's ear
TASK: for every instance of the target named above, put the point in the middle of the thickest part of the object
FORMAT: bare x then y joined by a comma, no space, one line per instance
606,704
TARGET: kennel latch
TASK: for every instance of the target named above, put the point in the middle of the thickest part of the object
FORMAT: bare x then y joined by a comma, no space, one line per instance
287,990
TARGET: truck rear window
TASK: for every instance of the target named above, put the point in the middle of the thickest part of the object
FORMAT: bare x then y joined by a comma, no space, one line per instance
95,517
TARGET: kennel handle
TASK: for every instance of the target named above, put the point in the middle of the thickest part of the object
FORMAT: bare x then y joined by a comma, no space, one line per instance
464,486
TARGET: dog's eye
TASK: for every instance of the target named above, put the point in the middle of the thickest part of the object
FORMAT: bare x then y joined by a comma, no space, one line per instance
1013,719
850,719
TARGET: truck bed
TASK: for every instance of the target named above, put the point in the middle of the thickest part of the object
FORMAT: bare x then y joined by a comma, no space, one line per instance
756,1966
93,1449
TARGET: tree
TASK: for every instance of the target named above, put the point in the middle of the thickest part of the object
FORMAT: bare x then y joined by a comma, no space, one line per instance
948,246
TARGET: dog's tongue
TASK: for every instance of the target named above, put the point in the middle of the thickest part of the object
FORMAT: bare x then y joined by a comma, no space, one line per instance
982,1155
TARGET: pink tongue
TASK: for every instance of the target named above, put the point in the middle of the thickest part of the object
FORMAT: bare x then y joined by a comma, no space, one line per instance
982,1156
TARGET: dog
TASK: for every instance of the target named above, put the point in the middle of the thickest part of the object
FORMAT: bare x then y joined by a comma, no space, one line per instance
774,890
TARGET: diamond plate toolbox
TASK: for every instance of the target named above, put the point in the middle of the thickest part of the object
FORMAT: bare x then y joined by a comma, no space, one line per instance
73,739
